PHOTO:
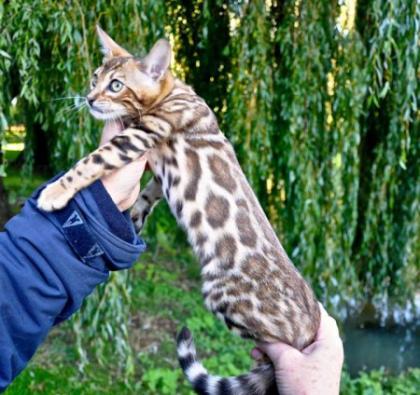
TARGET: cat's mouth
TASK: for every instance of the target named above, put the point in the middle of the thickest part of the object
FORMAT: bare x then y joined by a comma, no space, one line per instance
105,115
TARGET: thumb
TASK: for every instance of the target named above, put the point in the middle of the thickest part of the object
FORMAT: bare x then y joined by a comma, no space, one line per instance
278,351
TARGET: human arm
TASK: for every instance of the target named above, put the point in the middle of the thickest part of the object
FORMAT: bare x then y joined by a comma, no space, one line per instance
49,262
314,371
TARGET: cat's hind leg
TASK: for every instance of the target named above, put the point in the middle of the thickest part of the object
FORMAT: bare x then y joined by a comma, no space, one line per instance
145,203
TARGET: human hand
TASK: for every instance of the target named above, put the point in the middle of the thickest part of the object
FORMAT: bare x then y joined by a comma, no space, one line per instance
123,185
315,370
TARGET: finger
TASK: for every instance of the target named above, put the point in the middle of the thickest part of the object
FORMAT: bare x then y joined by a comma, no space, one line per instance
328,328
277,351
257,354
311,348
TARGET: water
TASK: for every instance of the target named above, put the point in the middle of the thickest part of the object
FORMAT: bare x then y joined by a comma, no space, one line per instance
371,346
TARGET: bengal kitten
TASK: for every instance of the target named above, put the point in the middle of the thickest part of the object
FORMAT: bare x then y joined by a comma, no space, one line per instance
248,280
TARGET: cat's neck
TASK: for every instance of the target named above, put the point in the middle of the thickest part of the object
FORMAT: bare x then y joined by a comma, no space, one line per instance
167,85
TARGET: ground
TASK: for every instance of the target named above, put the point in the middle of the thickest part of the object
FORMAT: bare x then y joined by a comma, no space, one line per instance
163,295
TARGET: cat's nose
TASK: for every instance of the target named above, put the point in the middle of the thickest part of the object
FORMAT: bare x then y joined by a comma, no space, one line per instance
91,99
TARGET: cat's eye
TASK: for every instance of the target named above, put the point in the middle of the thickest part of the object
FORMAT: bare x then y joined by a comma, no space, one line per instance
94,81
115,85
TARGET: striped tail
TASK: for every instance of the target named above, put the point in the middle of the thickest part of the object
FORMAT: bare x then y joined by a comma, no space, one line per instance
259,381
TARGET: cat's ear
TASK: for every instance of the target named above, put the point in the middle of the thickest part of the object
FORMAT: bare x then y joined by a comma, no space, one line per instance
110,48
158,59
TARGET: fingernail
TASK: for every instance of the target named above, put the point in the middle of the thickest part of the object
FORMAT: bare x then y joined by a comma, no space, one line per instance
256,354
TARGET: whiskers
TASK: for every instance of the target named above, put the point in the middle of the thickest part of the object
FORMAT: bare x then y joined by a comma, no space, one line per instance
79,103
69,98
103,110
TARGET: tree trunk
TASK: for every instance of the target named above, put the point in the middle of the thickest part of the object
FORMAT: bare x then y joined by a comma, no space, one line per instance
4,205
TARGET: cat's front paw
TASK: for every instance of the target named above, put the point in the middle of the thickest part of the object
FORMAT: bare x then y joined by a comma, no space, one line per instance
54,197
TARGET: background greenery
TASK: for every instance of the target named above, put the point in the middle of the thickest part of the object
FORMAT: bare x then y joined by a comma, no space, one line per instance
320,99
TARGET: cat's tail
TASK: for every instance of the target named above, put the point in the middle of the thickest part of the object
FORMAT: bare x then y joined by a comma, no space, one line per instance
259,381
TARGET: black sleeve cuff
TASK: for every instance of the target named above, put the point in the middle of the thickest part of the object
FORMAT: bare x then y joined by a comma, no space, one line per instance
119,223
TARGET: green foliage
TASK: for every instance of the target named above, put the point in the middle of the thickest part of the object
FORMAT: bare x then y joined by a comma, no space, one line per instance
49,52
104,325
323,115
18,192
321,93
249,118
380,383
200,32
389,216
161,381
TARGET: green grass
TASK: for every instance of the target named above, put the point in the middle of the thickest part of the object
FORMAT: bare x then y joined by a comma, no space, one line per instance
164,296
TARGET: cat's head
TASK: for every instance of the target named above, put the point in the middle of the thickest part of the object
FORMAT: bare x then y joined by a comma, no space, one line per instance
125,86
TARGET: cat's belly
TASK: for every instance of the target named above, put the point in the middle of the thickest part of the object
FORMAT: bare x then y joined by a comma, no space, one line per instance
247,278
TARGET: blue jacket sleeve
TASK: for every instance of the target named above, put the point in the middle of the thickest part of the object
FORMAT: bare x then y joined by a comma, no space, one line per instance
49,262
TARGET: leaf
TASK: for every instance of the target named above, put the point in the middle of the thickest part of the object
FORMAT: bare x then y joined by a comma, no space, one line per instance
5,54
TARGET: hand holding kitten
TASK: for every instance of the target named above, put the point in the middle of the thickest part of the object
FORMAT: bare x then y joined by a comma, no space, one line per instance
123,185
314,371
